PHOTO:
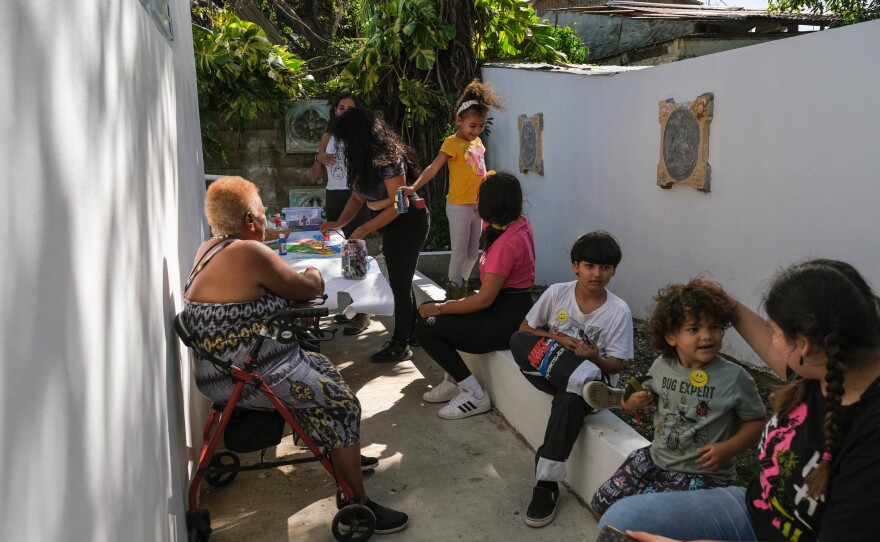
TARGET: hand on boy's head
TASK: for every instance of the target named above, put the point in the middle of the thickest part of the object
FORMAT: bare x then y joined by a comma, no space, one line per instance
714,456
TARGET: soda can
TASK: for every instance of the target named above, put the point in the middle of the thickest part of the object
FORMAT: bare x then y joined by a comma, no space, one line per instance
401,202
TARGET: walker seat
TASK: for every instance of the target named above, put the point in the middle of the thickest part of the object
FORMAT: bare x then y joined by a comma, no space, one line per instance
256,430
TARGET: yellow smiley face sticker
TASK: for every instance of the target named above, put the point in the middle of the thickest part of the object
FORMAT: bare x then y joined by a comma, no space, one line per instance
699,378
562,316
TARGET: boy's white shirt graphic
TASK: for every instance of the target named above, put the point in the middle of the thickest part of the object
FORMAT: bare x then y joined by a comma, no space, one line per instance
610,326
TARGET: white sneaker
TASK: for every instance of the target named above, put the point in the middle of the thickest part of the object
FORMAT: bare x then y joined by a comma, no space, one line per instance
465,405
442,392
599,395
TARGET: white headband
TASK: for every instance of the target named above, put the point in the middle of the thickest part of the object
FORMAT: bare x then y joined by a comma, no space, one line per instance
465,105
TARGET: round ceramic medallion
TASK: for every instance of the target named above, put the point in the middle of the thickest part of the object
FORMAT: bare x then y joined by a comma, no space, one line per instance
681,143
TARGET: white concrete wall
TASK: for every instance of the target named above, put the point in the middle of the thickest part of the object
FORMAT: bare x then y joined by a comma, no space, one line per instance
793,150
101,188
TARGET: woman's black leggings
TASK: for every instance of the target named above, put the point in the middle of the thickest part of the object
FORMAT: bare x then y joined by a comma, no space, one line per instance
402,240
476,333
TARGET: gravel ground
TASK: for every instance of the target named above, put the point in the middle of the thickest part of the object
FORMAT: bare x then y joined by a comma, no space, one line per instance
747,463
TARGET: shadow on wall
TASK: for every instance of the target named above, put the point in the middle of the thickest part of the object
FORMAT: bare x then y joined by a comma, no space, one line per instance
91,392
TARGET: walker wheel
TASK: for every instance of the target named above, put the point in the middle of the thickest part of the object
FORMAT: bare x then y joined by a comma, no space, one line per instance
353,523
198,525
222,460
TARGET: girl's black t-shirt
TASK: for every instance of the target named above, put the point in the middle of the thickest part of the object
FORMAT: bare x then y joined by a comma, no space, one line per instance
791,446
383,173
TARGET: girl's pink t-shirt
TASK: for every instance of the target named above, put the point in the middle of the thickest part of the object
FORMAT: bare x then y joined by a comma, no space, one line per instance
512,256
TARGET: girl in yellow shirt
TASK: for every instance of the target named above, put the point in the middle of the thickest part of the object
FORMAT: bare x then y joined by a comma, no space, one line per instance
463,152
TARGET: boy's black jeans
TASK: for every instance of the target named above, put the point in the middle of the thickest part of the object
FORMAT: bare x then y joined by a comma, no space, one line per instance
567,411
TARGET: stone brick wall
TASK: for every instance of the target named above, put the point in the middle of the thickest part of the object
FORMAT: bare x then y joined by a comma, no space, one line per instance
259,155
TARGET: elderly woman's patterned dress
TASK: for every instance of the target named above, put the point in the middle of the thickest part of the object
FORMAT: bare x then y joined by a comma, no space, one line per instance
306,382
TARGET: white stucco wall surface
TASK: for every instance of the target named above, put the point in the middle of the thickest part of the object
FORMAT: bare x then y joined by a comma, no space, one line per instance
101,189
793,152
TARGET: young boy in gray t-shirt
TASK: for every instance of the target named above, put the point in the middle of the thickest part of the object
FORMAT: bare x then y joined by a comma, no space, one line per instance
707,408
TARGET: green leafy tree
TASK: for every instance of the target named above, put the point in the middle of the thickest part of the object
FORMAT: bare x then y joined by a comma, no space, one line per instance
568,43
852,11
240,74
510,29
410,58
417,55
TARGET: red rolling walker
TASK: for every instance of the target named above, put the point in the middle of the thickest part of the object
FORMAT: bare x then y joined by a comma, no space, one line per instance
221,469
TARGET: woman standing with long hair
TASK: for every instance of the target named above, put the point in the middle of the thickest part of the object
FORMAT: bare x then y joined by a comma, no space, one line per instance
331,156
378,164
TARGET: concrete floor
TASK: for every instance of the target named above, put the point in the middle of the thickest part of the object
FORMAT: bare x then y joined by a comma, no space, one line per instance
468,479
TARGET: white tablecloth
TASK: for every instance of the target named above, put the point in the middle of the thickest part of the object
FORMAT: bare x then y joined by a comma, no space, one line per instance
370,295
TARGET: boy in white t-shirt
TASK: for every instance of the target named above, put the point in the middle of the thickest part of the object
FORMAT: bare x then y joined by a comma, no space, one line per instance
578,332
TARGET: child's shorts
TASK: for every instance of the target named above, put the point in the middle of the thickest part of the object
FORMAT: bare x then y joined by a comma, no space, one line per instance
639,474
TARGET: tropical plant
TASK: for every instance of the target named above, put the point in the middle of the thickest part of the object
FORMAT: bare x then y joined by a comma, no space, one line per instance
240,74
410,58
417,55
401,48
852,11
511,29
568,43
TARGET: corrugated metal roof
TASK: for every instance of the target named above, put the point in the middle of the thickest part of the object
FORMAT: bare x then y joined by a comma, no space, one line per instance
581,69
677,12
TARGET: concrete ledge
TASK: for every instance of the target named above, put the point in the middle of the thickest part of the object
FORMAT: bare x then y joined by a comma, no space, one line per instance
436,265
604,442
426,290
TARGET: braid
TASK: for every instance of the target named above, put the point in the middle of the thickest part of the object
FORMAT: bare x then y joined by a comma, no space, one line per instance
830,304
817,480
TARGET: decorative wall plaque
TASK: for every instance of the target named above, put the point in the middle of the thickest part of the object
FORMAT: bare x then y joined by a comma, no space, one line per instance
531,152
304,124
684,142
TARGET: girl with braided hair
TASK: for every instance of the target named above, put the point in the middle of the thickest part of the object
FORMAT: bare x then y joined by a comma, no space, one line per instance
819,460
464,153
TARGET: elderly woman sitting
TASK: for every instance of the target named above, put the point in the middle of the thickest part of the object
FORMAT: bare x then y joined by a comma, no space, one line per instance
237,283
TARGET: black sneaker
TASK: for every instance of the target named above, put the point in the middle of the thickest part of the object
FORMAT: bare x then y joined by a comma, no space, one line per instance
387,520
392,351
542,509
368,463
